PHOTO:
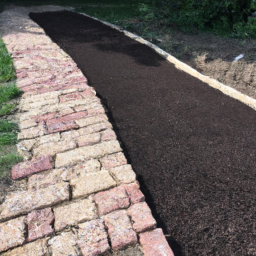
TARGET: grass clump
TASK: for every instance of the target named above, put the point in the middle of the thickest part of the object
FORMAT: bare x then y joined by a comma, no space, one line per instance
7,162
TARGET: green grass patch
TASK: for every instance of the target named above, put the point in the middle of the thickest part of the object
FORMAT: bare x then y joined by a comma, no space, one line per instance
7,162
7,71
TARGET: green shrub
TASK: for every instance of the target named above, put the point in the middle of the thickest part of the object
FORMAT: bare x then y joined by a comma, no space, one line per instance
220,16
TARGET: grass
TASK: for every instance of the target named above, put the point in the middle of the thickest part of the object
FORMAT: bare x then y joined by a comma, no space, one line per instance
8,130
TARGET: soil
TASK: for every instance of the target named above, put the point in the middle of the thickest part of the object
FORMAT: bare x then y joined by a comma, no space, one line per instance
211,55
192,147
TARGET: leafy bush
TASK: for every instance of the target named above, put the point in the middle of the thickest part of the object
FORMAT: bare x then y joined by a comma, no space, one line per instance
220,16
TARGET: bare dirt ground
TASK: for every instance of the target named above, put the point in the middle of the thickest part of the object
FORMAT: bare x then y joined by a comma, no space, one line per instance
211,55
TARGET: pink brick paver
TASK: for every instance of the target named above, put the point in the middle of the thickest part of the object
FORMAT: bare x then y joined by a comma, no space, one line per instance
40,223
80,196
35,165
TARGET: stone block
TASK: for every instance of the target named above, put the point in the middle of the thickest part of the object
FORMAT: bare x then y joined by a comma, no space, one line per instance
114,160
92,238
135,195
94,128
35,165
52,148
154,243
91,183
108,135
111,200
141,216
37,248
85,153
27,124
12,233
123,174
26,201
30,133
40,224
120,230
64,244
74,213
91,120
88,140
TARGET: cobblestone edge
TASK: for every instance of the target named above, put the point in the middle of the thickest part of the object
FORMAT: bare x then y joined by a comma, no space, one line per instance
81,196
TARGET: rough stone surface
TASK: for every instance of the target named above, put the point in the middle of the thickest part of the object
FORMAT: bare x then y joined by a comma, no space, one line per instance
54,137
111,200
39,223
30,133
114,160
154,243
85,153
12,233
27,124
26,201
74,213
108,135
123,174
52,148
91,183
37,248
47,178
134,192
35,165
92,238
120,230
94,128
88,140
141,216
91,120
64,244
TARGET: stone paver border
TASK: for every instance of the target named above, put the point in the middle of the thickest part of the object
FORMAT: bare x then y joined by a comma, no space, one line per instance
82,198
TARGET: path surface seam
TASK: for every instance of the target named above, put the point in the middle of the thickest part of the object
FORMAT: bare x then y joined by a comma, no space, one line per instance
82,197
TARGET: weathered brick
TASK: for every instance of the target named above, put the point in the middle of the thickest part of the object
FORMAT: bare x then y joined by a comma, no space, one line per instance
77,95
74,213
120,230
26,201
87,140
92,238
27,124
64,123
86,130
64,244
123,174
91,111
91,120
27,144
48,178
37,248
39,223
12,233
92,165
52,148
91,183
141,217
108,135
51,177
111,200
35,165
114,160
54,137
154,243
85,153
133,190
30,133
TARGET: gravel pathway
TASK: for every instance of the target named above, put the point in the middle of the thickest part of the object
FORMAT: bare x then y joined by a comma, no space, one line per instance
81,196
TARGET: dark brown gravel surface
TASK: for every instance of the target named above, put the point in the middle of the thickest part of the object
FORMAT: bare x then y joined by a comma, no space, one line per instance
192,147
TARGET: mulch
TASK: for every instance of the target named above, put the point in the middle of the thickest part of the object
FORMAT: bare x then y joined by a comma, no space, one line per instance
192,147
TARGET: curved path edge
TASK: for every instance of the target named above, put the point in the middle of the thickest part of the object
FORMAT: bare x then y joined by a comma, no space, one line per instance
227,90
81,196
